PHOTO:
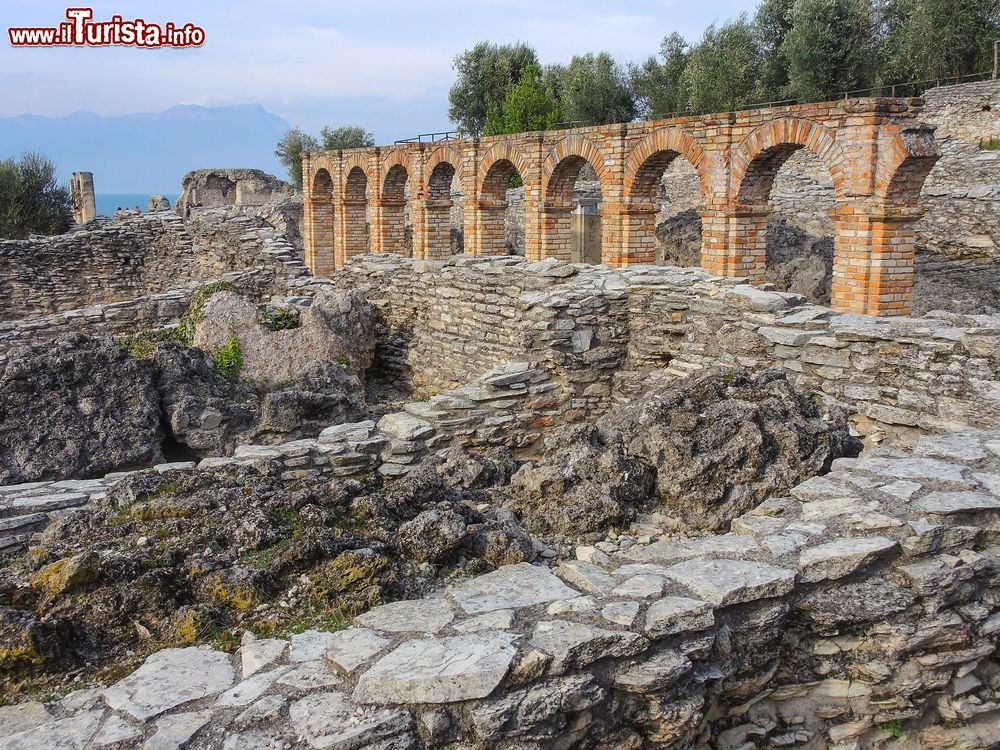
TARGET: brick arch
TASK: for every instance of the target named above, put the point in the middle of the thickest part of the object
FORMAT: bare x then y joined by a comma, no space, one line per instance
434,172
321,252
493,184
397,169
322,184
903,167
563,163
351,165
760,155
651,156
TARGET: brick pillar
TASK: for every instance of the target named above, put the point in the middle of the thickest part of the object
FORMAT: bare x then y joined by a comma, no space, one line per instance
320,247
873,259
490,231
432,228
614,233
470,223
389,226
734,241
556,231
355,227
533,217
637,226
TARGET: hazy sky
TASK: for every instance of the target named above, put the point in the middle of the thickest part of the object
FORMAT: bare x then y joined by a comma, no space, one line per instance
379,63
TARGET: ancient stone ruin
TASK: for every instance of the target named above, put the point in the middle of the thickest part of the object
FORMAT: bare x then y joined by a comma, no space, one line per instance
386,466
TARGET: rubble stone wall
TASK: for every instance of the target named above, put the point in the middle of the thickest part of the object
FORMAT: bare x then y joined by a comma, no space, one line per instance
135,255
607,335
860,610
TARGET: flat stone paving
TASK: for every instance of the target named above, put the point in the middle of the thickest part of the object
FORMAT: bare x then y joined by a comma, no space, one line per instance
520,644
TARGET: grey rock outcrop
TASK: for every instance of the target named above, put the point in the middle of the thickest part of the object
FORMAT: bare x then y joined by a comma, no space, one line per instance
80,407
336,328
708,447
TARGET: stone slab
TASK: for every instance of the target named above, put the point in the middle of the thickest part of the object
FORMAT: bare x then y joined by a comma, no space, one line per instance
171,678
725,582
510,587
433,670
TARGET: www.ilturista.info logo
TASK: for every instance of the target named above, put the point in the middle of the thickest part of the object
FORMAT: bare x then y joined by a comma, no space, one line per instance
79,30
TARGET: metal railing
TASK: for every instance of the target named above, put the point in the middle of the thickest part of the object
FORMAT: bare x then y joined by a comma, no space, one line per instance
445,135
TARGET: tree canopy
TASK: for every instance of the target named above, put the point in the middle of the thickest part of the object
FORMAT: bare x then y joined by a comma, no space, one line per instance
804,50
347,136
295,142
487,74
31,199
289,152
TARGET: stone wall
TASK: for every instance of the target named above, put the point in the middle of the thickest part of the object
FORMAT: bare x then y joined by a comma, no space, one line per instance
605,336
148,312
860,610
140,254
230,187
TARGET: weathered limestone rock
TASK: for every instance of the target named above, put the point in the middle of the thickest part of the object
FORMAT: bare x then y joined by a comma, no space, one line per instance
309,646
77,408
115,730
527,710
948,503
573,645
587,576
257,654
841,557
337,328
513,586
442,670
640,587
677,614
174,731
329,722
168,679
421,615
725,582
73,733
657,673
23,716
350,649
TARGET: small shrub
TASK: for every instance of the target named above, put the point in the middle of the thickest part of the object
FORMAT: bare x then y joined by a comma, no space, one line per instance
195,313
143,345
990,144
343,360
894,727
280,320
229,360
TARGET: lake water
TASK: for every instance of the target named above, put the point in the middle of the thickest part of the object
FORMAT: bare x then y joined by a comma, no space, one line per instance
108,203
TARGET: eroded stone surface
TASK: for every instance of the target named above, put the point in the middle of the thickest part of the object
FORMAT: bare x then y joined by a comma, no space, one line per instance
677,614
430,670
574,645
512,586
257,654
170,678
841,557
329,722
725,582
352,648
420,615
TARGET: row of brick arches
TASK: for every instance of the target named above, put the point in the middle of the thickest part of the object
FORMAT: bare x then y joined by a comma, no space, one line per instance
876,151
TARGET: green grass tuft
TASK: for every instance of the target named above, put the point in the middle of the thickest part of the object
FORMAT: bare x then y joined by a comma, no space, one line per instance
229,360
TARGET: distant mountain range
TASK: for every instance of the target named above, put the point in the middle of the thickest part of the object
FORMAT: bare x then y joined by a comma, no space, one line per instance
149,153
